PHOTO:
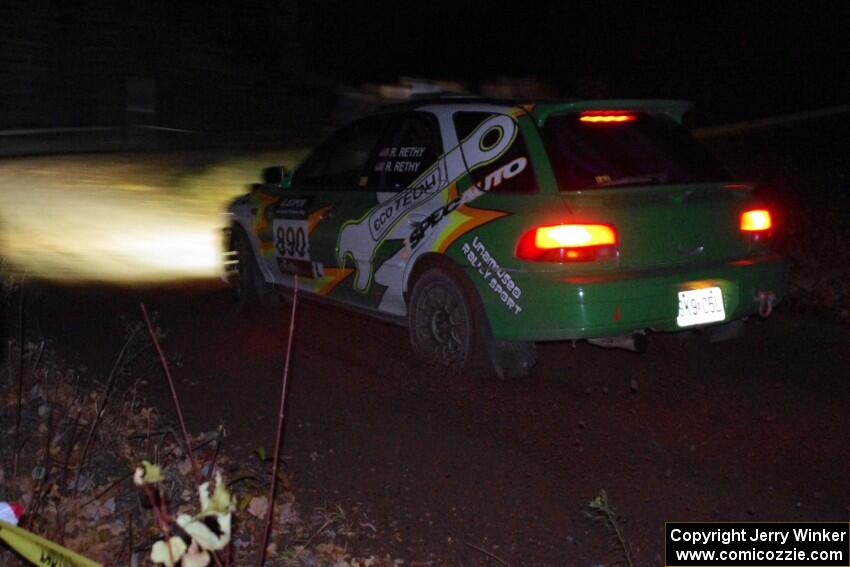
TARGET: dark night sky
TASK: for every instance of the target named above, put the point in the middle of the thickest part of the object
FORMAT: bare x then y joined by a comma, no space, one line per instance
735,60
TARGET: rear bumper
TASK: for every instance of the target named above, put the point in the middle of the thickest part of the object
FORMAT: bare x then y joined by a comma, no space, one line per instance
555,306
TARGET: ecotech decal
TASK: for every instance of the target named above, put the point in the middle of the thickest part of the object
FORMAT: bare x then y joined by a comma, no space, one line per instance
427,206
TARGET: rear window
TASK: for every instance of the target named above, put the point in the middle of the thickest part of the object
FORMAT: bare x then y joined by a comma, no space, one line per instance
643,150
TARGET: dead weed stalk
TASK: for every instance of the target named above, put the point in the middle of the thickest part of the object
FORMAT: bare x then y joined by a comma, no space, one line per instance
600,508
186,439
280,420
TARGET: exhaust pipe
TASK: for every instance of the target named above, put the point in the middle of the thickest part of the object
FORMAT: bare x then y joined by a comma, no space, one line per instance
635,342
766,300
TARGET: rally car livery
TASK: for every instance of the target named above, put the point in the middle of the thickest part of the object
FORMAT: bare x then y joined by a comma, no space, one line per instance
486,226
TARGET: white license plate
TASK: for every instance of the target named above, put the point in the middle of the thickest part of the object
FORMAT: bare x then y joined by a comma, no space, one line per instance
700,306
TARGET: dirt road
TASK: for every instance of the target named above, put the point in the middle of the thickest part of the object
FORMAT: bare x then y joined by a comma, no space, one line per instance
751,429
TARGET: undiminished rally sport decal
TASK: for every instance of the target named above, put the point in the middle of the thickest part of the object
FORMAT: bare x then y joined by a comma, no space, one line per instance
425,214
498,279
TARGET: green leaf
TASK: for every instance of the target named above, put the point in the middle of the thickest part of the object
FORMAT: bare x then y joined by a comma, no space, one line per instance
241,475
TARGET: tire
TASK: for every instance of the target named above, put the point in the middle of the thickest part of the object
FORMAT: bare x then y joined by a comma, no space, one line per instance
249,288
443,326
448,329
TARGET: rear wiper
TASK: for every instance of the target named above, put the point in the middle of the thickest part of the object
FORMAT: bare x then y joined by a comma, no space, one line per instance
635,180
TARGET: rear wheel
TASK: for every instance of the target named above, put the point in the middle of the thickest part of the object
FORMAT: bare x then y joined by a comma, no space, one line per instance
448,328
443,327
249,288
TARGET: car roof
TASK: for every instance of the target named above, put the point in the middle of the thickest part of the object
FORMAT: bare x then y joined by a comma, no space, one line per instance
417,102
541,109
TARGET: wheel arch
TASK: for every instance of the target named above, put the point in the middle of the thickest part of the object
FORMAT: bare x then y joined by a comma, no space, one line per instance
238,225
433,260
509,360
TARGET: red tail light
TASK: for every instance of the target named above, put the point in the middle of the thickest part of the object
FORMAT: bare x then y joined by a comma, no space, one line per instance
757,225
756,220
568,243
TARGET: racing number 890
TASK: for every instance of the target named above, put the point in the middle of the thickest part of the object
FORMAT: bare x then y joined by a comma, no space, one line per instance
291,240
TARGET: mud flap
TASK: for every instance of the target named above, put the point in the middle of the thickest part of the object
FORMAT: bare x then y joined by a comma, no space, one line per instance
512,360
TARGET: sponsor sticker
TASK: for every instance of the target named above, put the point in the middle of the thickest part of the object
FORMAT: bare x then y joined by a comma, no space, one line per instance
361,238
293,207
498,279
492,181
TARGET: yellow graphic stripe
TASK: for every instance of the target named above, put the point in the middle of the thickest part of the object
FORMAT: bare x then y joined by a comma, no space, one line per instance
452,193
464,219
261,221
40,551
332,278
317,215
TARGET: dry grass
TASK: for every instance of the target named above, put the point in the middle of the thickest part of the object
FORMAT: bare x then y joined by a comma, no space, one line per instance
77,489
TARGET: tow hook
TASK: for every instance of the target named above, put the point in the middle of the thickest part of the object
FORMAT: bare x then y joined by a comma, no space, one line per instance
766,299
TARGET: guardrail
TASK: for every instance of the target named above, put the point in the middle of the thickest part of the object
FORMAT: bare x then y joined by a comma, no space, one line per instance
143,137
781,120
88,139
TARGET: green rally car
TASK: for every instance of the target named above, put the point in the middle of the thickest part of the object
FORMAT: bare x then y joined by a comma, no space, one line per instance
487,226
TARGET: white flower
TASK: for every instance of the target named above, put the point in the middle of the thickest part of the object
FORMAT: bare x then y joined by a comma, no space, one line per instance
148,473
215,510
195,557
202,534
160,554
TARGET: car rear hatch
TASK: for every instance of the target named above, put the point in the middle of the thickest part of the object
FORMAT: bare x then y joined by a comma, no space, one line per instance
632,165
681,224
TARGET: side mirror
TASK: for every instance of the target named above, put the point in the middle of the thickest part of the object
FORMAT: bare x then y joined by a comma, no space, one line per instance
277,175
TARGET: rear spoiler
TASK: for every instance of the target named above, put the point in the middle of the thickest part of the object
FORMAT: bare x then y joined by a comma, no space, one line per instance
675,109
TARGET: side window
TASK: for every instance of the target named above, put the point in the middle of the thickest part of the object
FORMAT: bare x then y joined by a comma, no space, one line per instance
511,172
409,147
340,161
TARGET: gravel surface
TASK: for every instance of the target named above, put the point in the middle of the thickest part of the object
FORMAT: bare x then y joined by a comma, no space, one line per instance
749,429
